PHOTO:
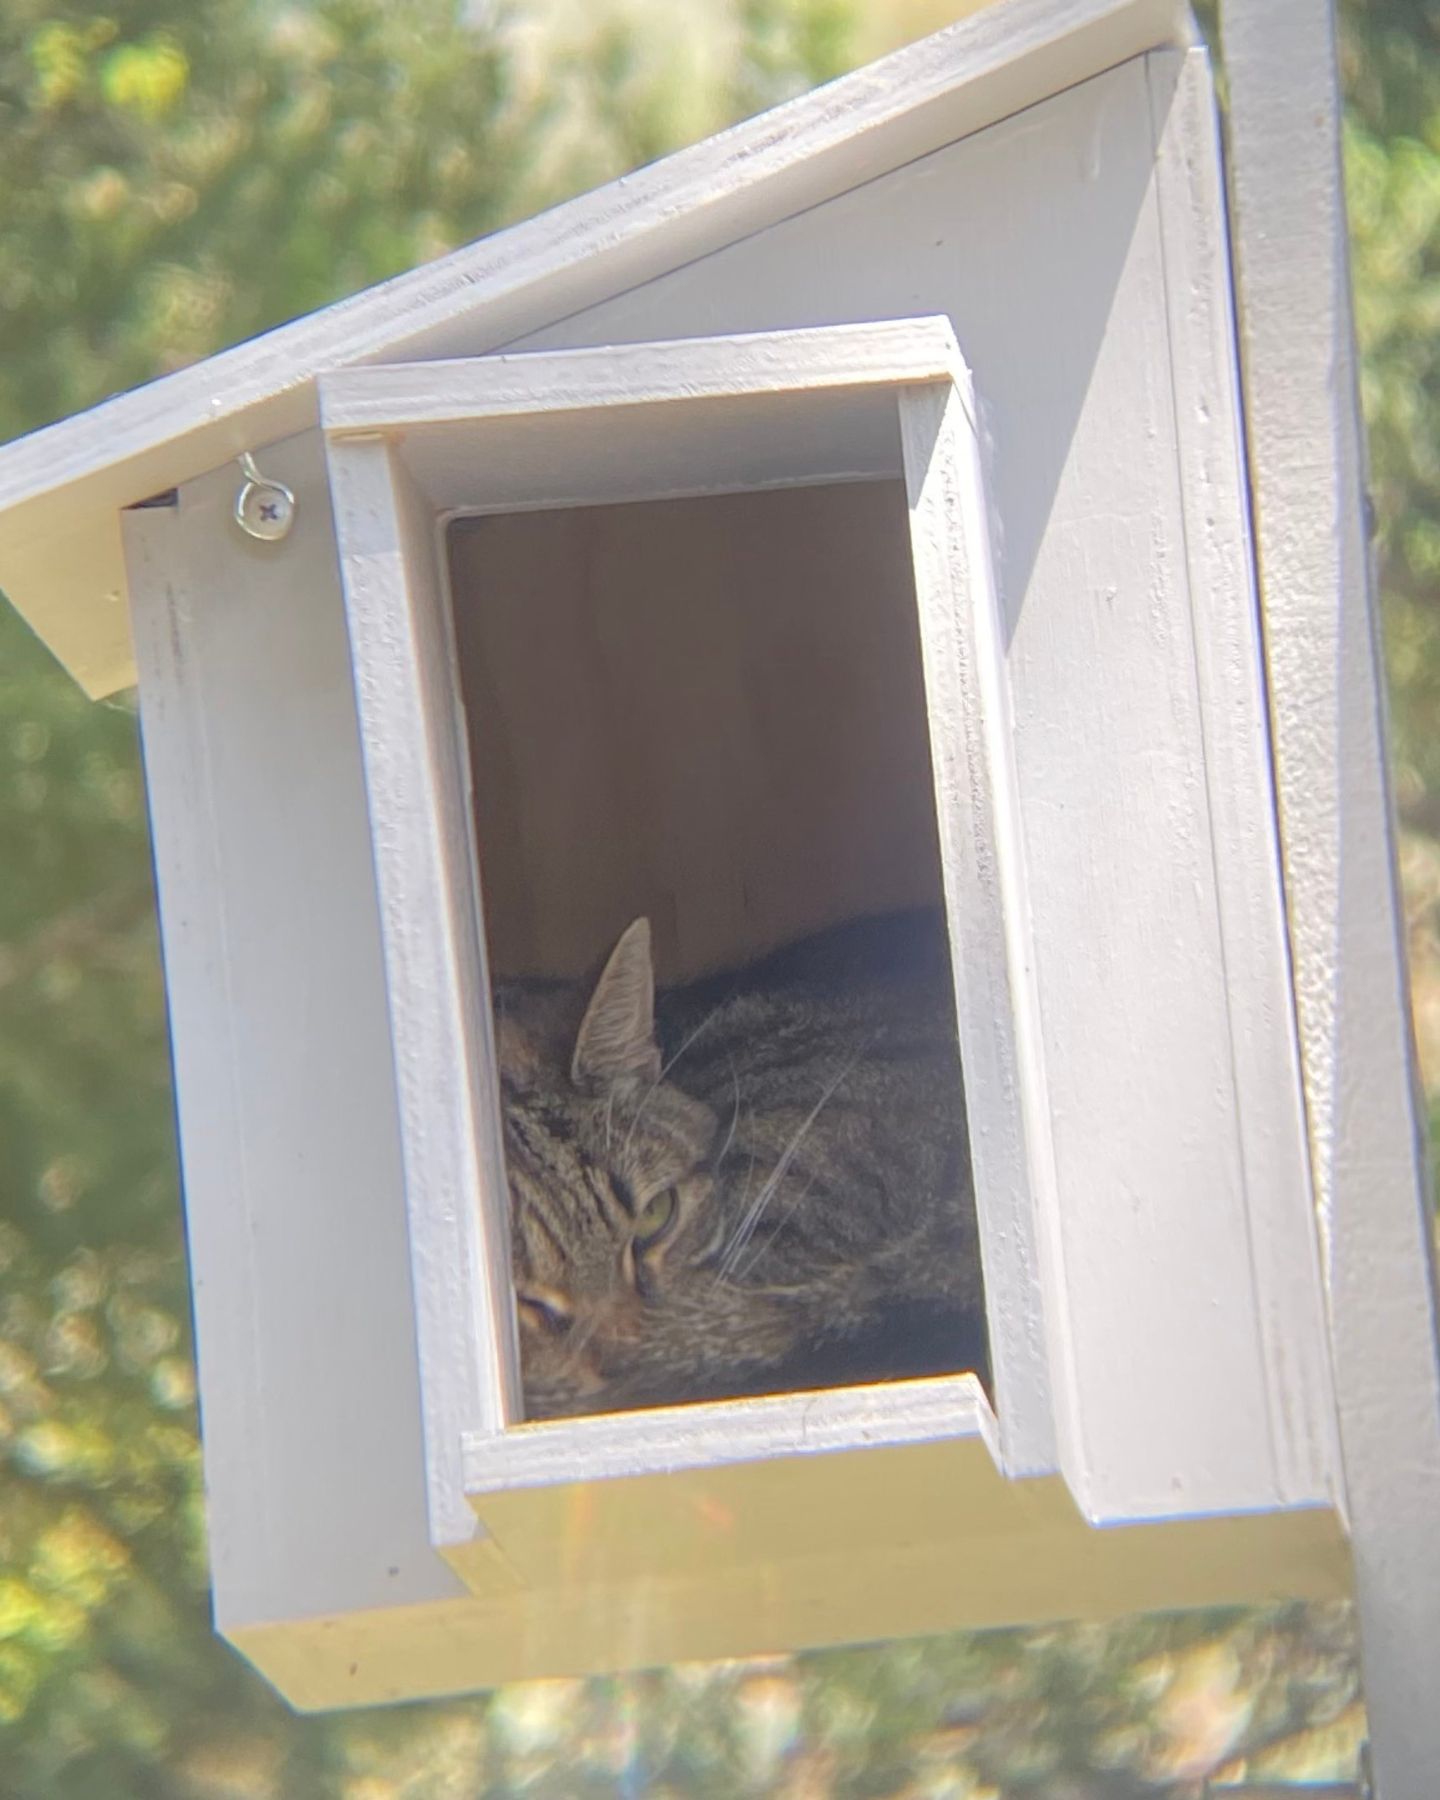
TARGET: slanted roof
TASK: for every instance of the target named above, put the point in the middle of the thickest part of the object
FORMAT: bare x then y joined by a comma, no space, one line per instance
62,489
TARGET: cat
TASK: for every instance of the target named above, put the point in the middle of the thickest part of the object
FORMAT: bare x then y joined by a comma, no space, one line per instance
754,1183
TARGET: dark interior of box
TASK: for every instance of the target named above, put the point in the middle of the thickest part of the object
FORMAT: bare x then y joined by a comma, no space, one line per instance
708,711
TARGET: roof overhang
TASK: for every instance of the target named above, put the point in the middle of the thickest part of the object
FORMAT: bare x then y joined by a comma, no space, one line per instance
62,489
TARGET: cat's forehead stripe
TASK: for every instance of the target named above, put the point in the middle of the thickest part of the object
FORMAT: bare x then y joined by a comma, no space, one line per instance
601,1194
535,1218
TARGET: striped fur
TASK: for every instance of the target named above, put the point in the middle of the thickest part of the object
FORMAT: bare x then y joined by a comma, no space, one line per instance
761,1185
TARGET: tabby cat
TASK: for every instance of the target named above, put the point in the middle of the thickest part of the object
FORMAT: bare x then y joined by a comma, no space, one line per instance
750,1184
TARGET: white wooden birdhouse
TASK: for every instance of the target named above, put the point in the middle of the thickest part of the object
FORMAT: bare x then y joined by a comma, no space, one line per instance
847,514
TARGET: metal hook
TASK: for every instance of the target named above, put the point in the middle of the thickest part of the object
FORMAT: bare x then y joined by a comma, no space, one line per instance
264,507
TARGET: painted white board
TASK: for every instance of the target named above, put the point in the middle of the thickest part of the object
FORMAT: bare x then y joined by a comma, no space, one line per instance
285,1085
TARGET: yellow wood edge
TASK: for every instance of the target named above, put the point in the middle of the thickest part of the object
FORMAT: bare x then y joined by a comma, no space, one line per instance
882,1588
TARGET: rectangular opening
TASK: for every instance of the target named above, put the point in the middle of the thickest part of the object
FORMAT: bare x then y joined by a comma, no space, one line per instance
709,714
715,618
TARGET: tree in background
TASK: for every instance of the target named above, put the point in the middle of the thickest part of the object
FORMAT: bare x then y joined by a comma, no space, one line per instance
1392,145
181,174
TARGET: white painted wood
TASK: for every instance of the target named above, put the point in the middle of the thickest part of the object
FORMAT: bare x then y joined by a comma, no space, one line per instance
1307,470
439,1013
824,1423
701,415
60,489
887,1541
743,445
395,610
299,1262
1225,625
1047,240
830,1485
992,956
883,353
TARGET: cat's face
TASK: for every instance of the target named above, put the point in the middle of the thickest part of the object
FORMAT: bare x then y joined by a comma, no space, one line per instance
607,1166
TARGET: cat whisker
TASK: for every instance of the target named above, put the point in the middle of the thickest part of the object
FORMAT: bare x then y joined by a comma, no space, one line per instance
751,1217
661,1078
578,1342
708,1249
753,1263
728,1243
609,1118
639,1114
734,1114
688,1041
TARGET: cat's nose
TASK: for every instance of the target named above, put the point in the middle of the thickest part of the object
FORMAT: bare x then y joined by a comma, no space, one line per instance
544,1310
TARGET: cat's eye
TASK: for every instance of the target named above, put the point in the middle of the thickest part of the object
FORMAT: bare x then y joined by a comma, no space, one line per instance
655,1218
543,1310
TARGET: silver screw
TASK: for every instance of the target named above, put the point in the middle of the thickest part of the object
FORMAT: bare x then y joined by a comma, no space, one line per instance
264,508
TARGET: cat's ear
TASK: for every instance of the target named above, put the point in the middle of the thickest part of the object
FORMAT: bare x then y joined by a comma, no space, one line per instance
616,1041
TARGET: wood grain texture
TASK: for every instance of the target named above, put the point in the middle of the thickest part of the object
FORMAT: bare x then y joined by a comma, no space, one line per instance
708,711
1365,1123
60,489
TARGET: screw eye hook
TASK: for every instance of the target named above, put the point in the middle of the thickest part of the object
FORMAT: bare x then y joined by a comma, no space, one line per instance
264,507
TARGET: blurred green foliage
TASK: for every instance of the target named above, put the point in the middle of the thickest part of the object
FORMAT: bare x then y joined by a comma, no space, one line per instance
1391,63
179,174
1392,155
183,173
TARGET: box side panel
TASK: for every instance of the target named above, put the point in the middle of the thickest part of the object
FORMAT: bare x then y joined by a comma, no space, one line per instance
285,1087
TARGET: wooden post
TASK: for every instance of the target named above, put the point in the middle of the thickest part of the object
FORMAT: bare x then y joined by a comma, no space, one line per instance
1307,474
